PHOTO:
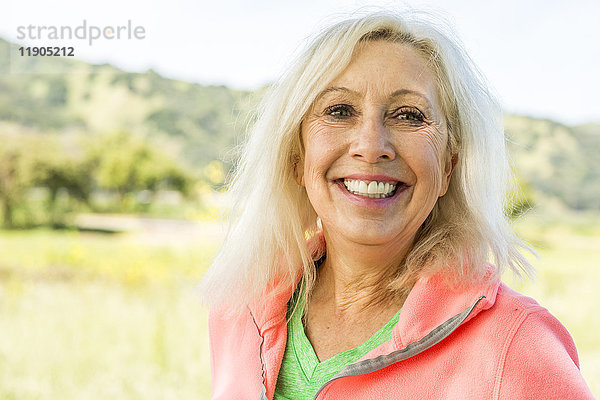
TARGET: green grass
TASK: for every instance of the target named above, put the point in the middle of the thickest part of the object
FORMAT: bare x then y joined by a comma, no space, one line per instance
96,340
120,258
89,316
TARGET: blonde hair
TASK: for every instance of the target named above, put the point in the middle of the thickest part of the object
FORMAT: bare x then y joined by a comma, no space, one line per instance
271,217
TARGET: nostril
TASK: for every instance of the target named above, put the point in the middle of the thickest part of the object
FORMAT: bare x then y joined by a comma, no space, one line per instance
372,158
372,149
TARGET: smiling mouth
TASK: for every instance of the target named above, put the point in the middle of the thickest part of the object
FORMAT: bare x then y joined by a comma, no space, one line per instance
372,189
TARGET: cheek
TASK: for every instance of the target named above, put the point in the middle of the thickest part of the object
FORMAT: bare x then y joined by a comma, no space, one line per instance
320,138
426,160
313,174
434,144
435,137
322,148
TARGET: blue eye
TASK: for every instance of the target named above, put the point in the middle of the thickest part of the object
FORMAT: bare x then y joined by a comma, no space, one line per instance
340,111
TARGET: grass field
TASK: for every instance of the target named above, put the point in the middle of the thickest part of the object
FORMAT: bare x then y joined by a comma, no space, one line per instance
94,316
91,316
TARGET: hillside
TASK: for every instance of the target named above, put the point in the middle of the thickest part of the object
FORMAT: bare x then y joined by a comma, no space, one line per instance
204,122
557,160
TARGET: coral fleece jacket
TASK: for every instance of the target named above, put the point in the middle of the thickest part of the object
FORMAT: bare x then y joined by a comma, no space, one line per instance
482,342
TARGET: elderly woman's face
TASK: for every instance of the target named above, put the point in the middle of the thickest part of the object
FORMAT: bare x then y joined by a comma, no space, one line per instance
375,142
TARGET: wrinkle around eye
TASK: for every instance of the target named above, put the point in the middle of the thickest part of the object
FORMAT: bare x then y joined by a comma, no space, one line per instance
435,137
320,126
332,123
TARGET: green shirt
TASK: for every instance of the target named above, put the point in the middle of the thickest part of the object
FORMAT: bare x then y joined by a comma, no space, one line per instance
301,374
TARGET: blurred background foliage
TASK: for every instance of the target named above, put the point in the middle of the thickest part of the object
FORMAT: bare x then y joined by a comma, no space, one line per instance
96,139
110,184
99,139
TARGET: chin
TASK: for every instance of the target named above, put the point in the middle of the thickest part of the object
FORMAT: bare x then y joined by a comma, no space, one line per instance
370,235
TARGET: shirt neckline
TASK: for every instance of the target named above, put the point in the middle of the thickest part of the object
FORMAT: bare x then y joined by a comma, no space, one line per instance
307,358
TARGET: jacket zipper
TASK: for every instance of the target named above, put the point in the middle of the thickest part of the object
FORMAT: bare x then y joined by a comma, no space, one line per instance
263,389
412,349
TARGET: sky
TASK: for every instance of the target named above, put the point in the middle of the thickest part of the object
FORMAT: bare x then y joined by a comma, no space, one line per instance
541,56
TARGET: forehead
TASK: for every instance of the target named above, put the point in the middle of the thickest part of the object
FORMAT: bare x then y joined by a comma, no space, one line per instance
380,68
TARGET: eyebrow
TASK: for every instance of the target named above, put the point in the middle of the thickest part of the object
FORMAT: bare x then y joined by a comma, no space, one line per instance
397,93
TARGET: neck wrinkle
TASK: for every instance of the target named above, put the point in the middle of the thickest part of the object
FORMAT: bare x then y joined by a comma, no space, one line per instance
357,276
351,292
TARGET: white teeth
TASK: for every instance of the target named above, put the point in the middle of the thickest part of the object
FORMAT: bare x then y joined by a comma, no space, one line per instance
362,187
374,190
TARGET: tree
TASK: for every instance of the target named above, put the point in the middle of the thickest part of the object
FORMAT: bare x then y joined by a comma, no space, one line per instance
63,170
126,164
16,174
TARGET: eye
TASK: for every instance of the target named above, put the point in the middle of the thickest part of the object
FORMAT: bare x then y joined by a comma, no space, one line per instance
340,111
408,114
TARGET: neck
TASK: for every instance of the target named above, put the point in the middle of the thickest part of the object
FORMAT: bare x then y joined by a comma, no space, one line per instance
354,277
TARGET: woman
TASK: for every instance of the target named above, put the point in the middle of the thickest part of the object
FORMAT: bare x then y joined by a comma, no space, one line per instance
369,199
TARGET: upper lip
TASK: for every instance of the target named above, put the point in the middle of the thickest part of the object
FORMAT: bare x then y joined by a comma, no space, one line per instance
371,177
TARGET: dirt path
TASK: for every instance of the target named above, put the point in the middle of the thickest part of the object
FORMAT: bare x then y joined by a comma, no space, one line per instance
154,230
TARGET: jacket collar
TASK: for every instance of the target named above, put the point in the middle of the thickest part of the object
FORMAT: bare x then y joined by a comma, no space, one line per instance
434,300
271,310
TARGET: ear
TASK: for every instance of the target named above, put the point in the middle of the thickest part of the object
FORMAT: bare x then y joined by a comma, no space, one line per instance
449,165
298,169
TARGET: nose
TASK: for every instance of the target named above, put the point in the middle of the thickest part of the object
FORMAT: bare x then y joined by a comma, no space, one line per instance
371,142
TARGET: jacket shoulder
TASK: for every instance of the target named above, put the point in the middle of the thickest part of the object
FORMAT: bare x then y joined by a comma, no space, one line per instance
235,345
539,358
